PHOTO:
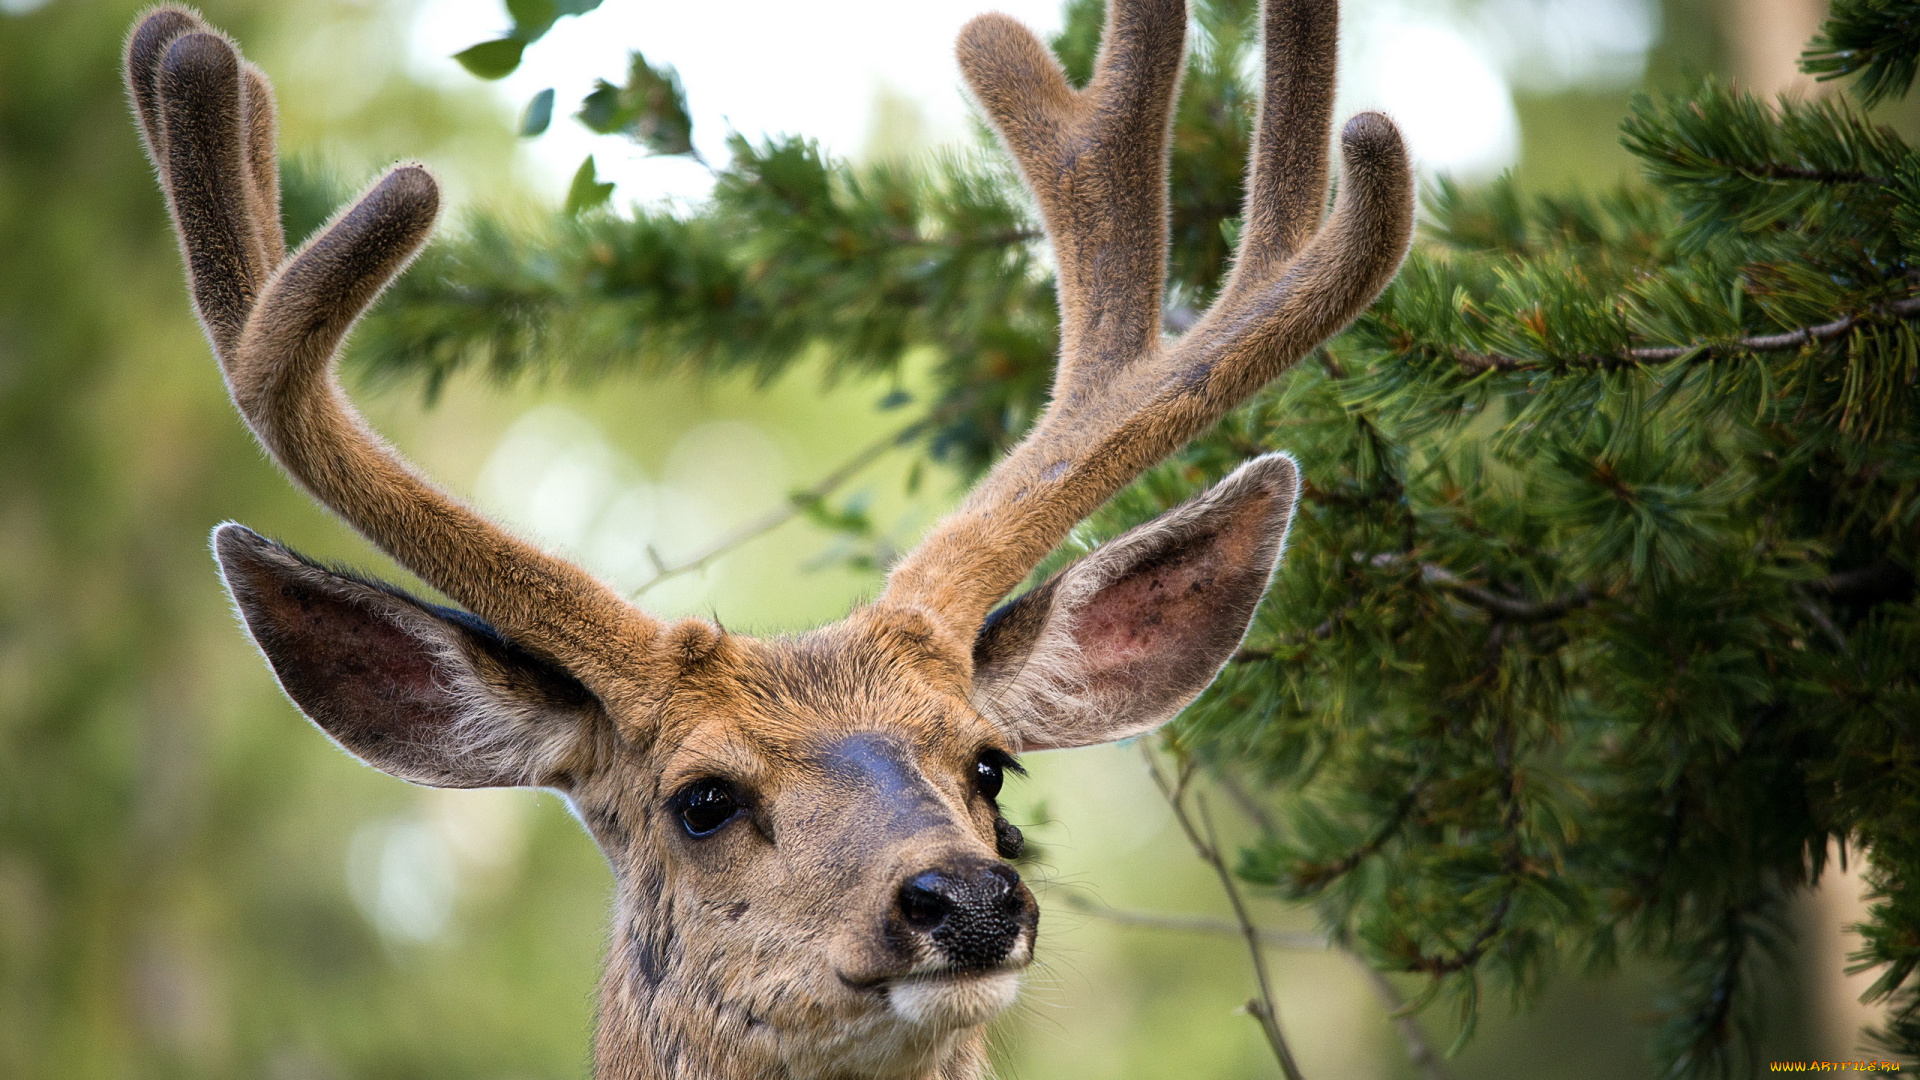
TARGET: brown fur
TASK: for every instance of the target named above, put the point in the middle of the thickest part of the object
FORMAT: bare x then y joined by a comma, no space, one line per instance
796,938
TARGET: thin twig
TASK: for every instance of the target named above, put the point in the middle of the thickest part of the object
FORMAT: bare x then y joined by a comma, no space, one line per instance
1244,800
1820,619
796,505
1419,1050
1474,363
1503,608
1208,848
1469,956
1775,171
1325,874
1305,940
1319,633
1870,584
1512,863
1506,607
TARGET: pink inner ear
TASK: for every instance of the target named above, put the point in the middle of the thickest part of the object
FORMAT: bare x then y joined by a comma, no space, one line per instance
360,654
1168,606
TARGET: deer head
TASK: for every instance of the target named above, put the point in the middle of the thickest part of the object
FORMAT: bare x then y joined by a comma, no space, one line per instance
803,831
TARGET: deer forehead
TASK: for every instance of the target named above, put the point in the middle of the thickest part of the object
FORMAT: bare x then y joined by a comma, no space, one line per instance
825,713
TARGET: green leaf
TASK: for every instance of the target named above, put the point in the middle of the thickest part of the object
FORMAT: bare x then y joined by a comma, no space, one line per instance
586,191
532,18
651,109
492,59
539,114
601,110
575,7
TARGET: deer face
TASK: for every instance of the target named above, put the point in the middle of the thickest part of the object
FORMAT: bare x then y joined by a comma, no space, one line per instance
803,832
833,845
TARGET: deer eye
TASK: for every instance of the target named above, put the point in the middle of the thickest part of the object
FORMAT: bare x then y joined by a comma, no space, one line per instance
989,771
706,805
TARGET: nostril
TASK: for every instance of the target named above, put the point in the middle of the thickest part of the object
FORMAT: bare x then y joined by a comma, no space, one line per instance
925,901
1005,878
1005,888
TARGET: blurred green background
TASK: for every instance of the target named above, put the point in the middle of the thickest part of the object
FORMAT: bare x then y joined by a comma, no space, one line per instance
195,883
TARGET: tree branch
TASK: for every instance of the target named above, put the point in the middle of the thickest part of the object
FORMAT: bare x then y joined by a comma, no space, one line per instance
1305,940
1506,608
1475,363
1870,584
1511,861
1469,956
1315,878
1419,1051
1774,171
1318,633
1208,848
1503,608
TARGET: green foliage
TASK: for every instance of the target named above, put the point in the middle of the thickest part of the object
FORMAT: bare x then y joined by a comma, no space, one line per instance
587,191
1598,622
795,256
539,114
1732,163
500,57
492,59
651,109
532,18
1878,40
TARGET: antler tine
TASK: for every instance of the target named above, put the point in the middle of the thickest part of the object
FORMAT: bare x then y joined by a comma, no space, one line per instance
263,164
1096,162
208,121
146,43
1287,183
188,86
1263,323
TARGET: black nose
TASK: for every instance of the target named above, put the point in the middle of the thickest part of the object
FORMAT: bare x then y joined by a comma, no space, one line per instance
974,914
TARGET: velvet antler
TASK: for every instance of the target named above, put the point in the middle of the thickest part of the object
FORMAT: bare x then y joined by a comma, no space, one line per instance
277,323
1096,161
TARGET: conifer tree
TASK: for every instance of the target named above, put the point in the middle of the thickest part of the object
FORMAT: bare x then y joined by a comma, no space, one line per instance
1598,623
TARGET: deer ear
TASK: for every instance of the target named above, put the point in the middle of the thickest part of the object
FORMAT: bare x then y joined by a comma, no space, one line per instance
424,693
1116,644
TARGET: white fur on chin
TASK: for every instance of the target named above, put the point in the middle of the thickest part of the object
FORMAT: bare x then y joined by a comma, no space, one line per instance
953,1001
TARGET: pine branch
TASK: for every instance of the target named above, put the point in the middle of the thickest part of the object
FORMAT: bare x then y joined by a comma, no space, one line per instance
1879,40
1469,956
1319,633
1734,165
1476,363
1310,878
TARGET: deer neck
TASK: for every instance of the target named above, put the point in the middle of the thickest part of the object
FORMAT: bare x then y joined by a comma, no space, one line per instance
662,1017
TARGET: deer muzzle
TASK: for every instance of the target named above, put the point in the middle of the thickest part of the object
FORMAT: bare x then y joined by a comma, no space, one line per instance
974,914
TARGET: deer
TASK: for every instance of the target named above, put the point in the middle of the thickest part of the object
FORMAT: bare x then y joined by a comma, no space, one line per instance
811,871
